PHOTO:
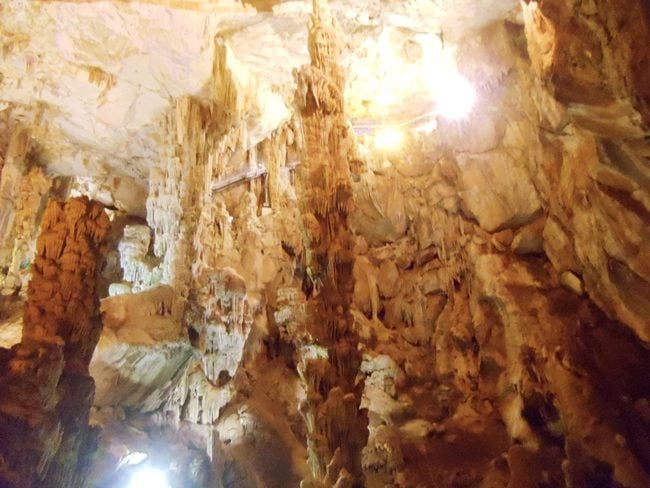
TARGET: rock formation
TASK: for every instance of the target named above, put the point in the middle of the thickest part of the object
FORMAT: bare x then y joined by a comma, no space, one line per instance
313,276
47,391
329,356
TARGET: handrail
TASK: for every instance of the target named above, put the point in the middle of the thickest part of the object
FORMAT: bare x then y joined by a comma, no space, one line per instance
244,175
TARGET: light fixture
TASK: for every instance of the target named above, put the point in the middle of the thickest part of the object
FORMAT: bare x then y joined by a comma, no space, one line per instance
147,477
455,97
388,138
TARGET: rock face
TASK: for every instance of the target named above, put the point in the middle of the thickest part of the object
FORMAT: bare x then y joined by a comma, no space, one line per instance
595,176
46,389
291,302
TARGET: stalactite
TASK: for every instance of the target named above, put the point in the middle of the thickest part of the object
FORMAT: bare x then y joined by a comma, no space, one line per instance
178,190
193,234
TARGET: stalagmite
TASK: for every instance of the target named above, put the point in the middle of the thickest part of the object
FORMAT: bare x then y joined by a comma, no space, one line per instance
336,427
46,389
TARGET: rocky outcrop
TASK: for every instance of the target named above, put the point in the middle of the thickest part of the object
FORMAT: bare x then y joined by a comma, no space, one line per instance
141,350
593,56
591,167
47,391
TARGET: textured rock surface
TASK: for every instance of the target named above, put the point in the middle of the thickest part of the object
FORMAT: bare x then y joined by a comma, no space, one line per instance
594,174
46,389
329,357
475,299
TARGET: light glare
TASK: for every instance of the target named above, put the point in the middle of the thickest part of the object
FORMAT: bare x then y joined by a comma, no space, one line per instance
135,457
388,138
456,97
149,478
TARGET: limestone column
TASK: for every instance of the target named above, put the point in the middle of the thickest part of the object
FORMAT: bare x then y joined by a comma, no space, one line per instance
45,389
329,363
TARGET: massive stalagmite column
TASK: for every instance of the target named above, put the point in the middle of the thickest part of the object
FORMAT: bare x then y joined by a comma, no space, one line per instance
336,428
45,389
62,303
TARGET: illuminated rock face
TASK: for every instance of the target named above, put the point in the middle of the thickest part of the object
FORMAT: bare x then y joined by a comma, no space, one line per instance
290,302
23,189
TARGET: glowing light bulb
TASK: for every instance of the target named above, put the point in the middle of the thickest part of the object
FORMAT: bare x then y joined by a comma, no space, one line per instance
388,138
149,478
456,97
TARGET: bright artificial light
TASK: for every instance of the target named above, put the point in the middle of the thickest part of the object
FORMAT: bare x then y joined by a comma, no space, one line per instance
385,98
388,138
456,97
149,478
428,126
133,457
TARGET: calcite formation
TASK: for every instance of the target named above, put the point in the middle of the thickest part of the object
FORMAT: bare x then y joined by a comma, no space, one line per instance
289,300
47,391
17,206
336,427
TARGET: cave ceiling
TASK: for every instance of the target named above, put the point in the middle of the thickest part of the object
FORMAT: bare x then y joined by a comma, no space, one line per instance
94,78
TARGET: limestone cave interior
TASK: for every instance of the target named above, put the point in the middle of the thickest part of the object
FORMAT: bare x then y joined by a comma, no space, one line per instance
301,243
